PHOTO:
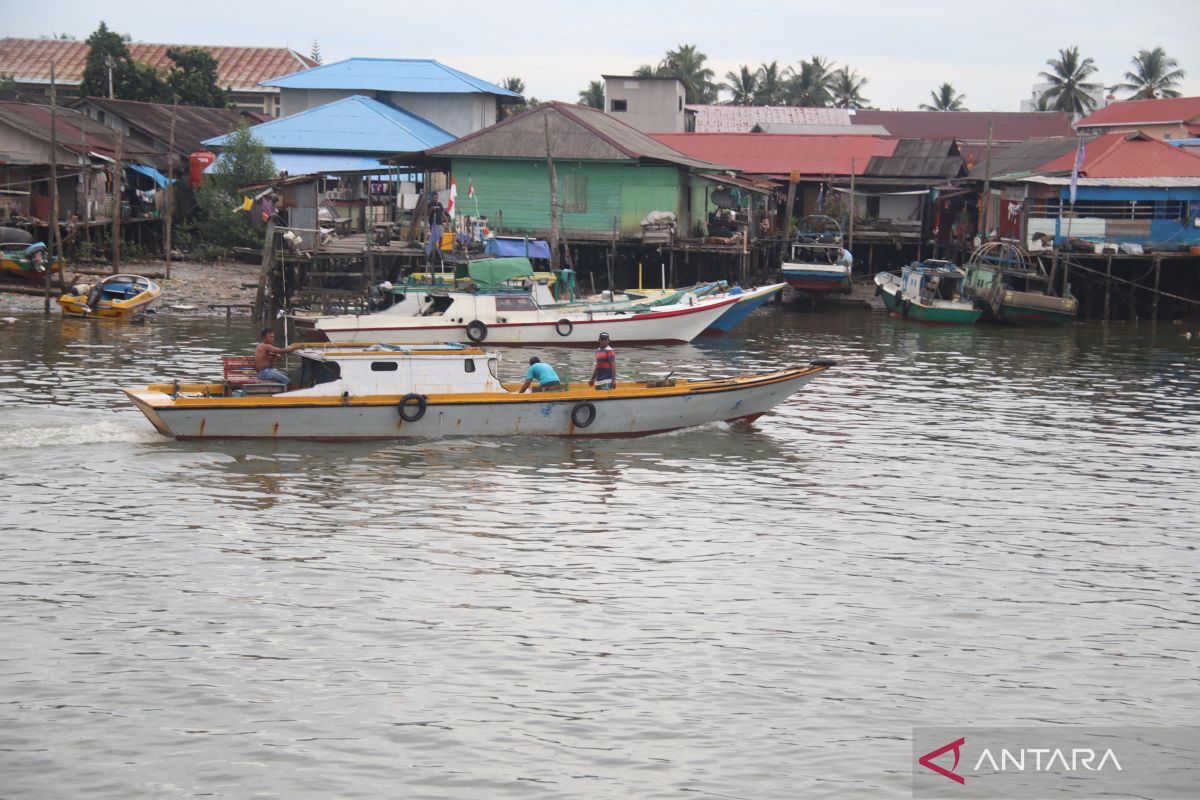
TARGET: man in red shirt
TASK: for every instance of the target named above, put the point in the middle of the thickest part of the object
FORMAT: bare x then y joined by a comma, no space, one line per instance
604,374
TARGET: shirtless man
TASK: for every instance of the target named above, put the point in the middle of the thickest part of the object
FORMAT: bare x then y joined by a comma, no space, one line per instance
265,355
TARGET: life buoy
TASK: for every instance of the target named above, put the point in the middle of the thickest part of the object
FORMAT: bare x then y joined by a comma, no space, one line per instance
583,415
564,327
405,405
476,331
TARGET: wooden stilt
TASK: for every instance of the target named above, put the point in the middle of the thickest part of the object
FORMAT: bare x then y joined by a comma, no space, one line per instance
1107,286
1157,275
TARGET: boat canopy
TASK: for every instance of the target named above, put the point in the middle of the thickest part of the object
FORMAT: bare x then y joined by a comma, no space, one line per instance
494,272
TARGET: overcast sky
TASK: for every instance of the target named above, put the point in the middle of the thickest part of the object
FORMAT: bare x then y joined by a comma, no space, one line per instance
990,52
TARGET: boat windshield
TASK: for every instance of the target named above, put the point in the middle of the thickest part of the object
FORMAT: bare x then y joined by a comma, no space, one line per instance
313,371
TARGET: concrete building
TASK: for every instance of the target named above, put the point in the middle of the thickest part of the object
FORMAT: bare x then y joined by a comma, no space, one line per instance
453,101
652,105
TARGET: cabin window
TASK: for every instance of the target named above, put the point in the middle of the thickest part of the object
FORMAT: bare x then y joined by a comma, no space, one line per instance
469,365
313,372
574,193
522,303
384,366
617,105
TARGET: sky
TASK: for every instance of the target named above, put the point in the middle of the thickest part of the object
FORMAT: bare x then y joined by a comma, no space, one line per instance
990,53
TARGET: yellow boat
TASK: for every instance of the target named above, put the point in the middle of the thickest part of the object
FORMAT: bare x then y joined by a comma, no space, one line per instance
115,297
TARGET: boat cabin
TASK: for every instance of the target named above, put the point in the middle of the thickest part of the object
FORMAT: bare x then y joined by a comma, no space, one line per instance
358,370
932,280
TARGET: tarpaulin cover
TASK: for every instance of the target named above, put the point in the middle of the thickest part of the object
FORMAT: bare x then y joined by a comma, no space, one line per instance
494,271
150,172
517,247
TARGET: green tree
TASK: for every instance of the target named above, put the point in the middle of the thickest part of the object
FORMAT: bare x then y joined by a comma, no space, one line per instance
593,95
742,84
131,80
945,98
771,85
1154,74
193,81
810,85
1068,81
315,53
220,222
686,63
846,87
646,71
515,84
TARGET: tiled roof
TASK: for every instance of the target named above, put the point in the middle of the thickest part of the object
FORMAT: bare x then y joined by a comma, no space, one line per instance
239,68
742,119
577,133
192,124
1128,155
1145,112
354,124
74,131
1007,126
416,75
780,154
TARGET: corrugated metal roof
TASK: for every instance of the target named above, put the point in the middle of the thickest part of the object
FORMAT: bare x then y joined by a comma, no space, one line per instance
193,125
576,133
915,167
1129,183
1144,112
239,68
1123,155
414,75
354,124
742,119
294,163
1020,158
779,154
969,125
820,130
926,148
74,131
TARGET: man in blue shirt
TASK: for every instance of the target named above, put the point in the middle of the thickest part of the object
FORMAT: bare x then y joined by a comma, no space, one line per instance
544,374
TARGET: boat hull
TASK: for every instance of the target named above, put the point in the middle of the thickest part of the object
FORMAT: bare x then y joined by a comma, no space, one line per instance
961,313
630,410
23,269
749,303
820,278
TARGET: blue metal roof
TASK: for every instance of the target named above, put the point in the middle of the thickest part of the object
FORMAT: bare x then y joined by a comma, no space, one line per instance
354,124
416,75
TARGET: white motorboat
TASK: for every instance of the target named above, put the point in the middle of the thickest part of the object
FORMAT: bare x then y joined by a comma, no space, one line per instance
382,391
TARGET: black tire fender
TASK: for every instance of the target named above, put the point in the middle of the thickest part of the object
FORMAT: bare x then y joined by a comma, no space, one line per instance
878,289
564,323
583,415
905,305
407,412
476,331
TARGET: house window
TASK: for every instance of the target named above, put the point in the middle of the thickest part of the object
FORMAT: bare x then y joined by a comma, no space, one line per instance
574,193
617,105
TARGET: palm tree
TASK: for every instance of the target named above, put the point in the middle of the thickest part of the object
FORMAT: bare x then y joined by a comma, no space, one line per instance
770,85
513,84
593,95
1068,82
810,85
687,64
646,71
945,98
846,88
742,84
1154,75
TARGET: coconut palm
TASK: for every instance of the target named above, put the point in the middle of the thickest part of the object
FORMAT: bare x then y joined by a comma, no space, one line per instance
945,98
809,86
513,84
687,64
770,90
593,95
1069,86
742,85
646,71
1154,74
846,88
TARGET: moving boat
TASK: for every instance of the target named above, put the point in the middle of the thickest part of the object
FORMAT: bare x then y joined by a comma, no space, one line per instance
27,262
1005,283
517,319
814,264
384,391
929,291
115,297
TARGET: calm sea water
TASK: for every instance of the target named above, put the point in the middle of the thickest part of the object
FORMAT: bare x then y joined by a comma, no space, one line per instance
956,526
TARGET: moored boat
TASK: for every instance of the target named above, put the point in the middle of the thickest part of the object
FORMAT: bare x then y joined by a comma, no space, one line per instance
749,301
814,263
1011,288
115,297
386,391
27,262
928,291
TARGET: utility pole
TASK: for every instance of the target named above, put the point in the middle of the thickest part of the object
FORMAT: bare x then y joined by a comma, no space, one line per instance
850,241
554,256
49,257
987,187
170,188
110,63
116,210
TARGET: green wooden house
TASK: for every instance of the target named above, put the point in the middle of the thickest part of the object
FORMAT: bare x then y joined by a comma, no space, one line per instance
610,175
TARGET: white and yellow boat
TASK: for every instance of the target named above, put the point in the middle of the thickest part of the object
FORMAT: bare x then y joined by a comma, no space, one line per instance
386,391
115,297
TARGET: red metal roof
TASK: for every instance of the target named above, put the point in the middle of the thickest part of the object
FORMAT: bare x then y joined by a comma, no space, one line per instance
1125,155
1007,126
240,68
1145,112
73,131
780,154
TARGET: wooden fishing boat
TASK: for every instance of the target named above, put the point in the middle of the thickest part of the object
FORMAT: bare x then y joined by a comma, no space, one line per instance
749,301
384,391
813,264
27,262
1011,288
115,297
928,291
